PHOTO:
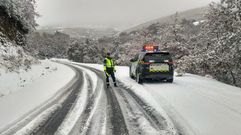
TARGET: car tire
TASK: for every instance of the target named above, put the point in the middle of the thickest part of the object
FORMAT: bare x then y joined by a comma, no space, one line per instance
139,79
130,74
170,80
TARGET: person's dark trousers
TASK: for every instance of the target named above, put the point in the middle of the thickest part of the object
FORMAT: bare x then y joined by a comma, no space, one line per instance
110,72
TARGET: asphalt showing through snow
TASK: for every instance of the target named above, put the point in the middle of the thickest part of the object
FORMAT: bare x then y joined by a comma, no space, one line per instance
118,101
115,113
109,111
52,124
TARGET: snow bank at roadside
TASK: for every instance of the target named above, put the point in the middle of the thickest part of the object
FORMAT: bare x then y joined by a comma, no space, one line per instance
25,91
14,81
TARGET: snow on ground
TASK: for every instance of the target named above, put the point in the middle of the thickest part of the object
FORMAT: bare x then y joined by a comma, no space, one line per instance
14,81
207,106
73,116
41,118
91,74
123,72
77,110
197,105
24,92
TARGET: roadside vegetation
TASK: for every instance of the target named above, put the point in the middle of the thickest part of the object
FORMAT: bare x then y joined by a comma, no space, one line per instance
208,45
17,19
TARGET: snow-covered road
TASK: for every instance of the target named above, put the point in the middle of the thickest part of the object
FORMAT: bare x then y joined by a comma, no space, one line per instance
116,111
192,105
197,105
87,107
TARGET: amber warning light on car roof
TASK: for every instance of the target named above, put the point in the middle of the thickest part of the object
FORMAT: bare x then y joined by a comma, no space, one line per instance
150,48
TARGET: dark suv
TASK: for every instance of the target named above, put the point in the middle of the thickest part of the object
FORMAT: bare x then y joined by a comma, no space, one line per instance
153,66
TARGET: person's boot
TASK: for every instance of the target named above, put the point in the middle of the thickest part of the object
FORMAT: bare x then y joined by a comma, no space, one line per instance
108,85
115,84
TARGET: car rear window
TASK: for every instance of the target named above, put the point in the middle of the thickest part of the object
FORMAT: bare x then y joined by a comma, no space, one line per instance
157,57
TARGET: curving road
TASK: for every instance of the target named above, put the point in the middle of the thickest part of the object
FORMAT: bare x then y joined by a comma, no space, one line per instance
104,111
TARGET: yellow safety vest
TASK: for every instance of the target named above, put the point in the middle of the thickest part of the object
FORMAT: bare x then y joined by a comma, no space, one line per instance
109,63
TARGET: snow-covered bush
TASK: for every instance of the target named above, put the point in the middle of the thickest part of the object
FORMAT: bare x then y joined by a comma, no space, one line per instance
75,52
48,45
13,57
217,50
22,11
17,18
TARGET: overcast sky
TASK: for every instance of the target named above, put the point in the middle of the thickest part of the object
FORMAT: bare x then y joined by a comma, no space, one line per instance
109,13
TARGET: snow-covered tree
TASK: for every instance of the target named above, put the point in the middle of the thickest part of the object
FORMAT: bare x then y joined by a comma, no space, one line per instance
75,51
217,48
224,27
22,11
17,18
48,45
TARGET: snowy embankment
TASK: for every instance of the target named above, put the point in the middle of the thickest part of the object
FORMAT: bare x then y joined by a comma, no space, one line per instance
197,105
27,91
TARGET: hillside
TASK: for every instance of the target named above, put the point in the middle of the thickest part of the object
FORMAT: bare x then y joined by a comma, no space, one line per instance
204,41
193,14
78,32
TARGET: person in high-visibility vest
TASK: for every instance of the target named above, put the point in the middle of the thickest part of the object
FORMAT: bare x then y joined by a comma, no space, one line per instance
109,68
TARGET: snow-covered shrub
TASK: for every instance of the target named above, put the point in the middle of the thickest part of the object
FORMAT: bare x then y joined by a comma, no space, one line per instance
13,57
48,45
22,11
17,18
75,52
216,52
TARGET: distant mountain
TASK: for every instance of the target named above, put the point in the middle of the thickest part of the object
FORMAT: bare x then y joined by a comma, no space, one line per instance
195,14
81,32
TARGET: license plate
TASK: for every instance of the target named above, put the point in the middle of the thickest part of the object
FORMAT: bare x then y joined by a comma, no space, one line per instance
159,68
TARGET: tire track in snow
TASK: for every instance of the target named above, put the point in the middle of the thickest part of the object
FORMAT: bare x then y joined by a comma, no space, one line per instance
52,124
116,121
142,113
83,121
97,124
156,120
103,113
94,95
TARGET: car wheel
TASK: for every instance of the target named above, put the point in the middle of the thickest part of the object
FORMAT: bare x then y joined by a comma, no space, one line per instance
170,80
139,79
130,74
